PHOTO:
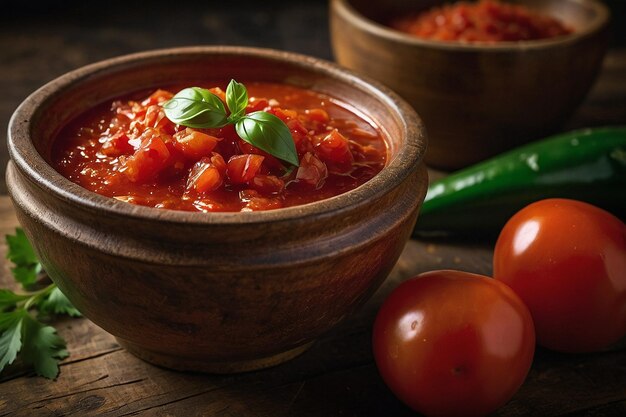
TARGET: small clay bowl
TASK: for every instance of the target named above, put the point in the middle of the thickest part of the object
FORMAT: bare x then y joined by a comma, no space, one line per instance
221,292
476,100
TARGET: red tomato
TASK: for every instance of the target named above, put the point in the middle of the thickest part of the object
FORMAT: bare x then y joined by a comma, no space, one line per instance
334,148
242,168
299,133
159,96
318,115
204,177
451,343
218,162
116,158
312,171
193,144
283,114
567,261
257,104
269,161
148,160
117,145
177,163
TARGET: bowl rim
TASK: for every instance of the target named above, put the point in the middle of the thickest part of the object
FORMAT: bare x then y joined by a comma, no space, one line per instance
28,160
600,21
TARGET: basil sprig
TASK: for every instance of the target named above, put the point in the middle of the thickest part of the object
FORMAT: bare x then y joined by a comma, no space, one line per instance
199,108
237,100
196,107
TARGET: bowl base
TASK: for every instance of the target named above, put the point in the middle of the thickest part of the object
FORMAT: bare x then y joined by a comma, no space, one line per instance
219,367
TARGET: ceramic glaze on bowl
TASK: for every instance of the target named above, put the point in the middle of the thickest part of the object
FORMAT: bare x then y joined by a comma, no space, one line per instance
218,292
477,100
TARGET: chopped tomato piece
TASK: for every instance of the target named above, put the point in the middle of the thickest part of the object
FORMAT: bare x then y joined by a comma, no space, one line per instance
283,114
228,146
246,148
166,125
194,144
153,116
177,162
204,177
218,162
117,145
159,96
267,184
318,115
335,148
484,21
242,168
299,133
147,161
130,150
257,104
270,161
219,92
312,171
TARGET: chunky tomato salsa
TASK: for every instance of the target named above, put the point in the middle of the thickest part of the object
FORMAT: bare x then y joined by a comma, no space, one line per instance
131,151
485,21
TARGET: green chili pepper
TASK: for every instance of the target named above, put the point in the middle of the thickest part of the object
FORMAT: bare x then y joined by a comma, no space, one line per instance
587,165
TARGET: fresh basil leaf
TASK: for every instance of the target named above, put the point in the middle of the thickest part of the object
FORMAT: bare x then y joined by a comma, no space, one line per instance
197,108
237,100
268,133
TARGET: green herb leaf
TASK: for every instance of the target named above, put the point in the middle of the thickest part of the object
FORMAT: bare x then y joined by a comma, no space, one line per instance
8,299
21,253
11,338
37,344
237,100
196,107
57,303
268,133
42,347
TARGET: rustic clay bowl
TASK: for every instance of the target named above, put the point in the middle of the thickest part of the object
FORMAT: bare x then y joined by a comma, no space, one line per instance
476,100
221,292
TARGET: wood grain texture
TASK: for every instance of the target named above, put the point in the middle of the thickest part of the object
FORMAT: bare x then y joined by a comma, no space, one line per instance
42,39
478,101
226,292
336,377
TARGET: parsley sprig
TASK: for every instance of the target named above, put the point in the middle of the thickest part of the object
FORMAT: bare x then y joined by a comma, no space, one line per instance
199,108
21,330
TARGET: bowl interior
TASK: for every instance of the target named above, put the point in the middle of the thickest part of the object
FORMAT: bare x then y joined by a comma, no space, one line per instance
187,68
581,15
40,118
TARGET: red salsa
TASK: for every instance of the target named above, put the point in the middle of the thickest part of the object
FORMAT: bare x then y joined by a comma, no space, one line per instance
484,21
131,151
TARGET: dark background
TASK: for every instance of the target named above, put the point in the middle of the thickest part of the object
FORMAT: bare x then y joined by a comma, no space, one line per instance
40,40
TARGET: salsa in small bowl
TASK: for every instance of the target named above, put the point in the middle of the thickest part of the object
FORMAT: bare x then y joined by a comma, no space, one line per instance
199,289
143,150
481,80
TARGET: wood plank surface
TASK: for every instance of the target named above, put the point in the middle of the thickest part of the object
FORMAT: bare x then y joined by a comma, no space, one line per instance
336,377
40,40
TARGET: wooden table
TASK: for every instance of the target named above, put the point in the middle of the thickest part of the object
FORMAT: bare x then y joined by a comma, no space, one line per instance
337,376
